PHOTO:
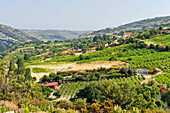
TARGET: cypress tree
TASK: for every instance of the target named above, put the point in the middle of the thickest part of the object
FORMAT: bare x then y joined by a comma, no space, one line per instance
28,74
11,66
20,66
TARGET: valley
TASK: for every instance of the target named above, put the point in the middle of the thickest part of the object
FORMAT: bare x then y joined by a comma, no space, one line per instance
98,71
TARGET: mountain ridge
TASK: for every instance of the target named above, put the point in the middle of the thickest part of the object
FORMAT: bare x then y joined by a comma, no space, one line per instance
52,35
10,36
135,26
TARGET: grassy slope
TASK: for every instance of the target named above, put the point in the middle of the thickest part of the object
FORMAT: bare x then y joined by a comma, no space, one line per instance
164,40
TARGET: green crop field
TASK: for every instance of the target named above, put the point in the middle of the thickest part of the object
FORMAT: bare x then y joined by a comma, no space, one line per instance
165,40
41,70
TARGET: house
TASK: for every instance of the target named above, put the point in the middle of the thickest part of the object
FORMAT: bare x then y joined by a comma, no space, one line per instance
52,85
127,34
106,45
142,71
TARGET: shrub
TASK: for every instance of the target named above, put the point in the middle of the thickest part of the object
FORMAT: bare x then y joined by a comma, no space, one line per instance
57,93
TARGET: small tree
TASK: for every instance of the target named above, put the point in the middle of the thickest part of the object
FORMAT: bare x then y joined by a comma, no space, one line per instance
81,57
95,39
167,48
160,27
57,93
26,57
127,70
151,46
80,103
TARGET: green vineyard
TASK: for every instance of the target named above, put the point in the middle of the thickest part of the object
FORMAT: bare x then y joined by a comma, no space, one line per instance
69,90
163,79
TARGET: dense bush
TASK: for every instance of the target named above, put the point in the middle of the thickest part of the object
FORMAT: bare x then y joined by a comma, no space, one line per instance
124,94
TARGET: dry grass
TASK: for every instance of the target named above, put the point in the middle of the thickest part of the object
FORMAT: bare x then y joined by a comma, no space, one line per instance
12,105
96,65
75,67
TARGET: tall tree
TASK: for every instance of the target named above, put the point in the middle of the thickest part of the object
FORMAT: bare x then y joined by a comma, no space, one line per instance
95,39
11,66
28,74
20,66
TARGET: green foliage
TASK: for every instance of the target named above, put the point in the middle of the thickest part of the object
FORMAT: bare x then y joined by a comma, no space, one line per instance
46,91
163,78
28,74
127,70
80,103
57,93
18,86
166,97
12,66
124,94
20,66
165,40
26,57
52,78
40,70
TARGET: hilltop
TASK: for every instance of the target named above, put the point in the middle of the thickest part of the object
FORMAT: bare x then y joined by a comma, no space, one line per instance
136,26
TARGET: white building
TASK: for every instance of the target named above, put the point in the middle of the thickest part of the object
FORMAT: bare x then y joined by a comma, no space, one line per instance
142,71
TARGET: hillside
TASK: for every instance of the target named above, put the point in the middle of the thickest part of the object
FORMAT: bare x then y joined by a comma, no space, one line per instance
137,25
10,36
103,68
52,35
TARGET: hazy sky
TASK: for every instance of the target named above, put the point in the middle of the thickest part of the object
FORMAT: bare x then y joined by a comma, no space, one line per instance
78,14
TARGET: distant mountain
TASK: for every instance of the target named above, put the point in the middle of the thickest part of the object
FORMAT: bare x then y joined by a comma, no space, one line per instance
51,35
136,26
10,36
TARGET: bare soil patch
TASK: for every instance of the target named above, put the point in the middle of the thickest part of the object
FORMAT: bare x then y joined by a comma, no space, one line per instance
96,65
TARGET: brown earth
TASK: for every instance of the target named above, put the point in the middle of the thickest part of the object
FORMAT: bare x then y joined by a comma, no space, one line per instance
95,65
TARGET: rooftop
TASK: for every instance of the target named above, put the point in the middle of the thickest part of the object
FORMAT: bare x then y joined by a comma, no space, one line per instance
127,33
51,84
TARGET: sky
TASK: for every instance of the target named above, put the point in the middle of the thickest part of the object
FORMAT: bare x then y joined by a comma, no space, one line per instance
78,14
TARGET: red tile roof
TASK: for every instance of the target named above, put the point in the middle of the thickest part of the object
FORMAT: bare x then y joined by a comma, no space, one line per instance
127,33
51,84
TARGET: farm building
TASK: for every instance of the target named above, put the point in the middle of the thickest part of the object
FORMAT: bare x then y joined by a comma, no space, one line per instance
127,34
142,71
52,85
